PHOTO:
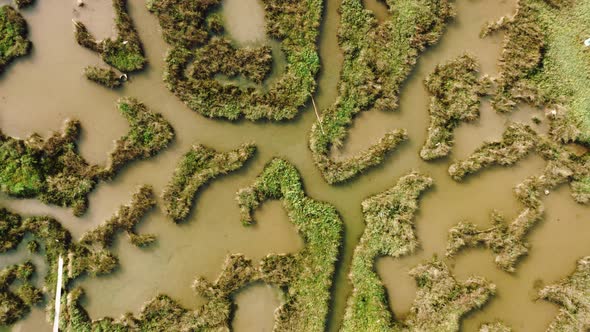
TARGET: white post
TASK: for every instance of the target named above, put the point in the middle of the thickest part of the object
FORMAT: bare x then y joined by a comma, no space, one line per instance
60,265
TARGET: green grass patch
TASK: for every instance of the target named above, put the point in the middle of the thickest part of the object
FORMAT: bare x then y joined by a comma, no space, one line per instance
13,36
198,53
377,60
197,167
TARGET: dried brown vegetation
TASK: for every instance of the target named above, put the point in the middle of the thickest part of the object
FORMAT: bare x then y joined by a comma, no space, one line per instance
456,91
573,295
507,240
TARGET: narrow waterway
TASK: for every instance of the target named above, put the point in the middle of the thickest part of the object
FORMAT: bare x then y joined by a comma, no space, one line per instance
39,92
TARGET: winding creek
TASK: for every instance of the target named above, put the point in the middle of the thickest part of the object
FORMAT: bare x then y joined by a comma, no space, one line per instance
44,89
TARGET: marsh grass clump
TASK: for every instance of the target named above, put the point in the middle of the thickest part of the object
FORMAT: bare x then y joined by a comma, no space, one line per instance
197,167
125,52
441,300
456,92
517,142
48,169
494,327
53,171
17,294
199,53
507,240
13,36
306,276
389,231
90,256
573,295
149,133
164,314
20,4
544,63
125,220
377,60
107,77
10,233
522,55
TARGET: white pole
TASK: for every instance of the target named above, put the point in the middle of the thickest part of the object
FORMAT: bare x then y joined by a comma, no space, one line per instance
317,115
60,265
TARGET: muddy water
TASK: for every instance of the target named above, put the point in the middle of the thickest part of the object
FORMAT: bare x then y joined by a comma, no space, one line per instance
37,93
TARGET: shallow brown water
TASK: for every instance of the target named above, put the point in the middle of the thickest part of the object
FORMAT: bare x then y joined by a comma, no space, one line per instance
38,92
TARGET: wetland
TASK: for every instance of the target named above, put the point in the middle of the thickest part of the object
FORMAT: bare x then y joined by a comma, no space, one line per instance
195,185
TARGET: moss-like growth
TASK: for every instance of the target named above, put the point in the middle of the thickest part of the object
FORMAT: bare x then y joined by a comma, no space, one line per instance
197,167
573,295
494,327
53,171
306,276
149,133
125,52
13,36
105,76
23,3
507,241
198,53
16,302
377,60
125,219
456,92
